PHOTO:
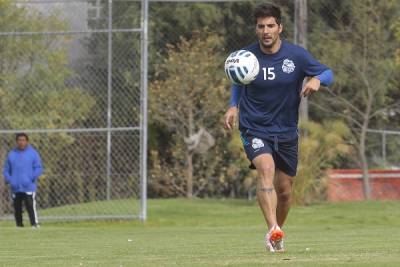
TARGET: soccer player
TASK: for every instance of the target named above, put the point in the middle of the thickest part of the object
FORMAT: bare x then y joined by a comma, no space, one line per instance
22,169
268,116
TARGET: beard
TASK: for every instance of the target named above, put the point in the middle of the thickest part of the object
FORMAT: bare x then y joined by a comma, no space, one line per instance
268,45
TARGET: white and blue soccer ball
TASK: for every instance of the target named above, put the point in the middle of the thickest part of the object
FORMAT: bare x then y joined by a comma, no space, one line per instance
242,67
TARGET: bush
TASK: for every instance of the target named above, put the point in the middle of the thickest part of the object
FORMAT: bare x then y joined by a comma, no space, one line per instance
322,147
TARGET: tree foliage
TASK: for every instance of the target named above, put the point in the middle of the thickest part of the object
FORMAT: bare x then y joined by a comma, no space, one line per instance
186,94
352,46
324,147
342,35
397,30
35,92
188,44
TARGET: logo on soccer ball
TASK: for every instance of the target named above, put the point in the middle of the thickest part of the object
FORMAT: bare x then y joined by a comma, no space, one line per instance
288,66
257,143
233,60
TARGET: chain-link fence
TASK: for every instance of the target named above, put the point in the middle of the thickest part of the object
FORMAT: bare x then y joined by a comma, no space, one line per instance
71,78
383,147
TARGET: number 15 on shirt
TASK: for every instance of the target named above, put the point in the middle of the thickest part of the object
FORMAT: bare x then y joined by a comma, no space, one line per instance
269,73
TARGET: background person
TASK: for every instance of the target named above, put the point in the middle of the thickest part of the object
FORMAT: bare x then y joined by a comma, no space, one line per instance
22,169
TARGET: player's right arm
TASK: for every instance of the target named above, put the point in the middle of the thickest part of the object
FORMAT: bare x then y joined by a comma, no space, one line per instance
232,112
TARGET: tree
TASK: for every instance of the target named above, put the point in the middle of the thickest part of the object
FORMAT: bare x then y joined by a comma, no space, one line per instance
232,21
187,94
35,92
352,46
397,29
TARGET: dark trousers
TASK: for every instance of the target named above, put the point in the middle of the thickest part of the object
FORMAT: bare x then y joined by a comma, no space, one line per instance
30,205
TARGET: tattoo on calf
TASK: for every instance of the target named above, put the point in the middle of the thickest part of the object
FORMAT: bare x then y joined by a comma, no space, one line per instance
267,190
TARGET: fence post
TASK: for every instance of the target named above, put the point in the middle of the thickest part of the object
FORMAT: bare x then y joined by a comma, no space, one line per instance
109,99
143,121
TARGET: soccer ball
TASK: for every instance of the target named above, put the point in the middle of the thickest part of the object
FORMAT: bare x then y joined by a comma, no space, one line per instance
241,67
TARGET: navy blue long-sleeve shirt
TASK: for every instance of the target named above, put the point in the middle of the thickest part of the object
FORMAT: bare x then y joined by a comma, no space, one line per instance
269,105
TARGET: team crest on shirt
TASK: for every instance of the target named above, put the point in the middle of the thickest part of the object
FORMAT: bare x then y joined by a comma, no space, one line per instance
257,143
288,66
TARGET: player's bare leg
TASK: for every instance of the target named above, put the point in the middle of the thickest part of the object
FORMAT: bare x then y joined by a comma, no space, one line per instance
267,199
283,186
266,194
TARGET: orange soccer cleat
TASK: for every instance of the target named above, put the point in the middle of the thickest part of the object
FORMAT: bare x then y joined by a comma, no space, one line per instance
274,240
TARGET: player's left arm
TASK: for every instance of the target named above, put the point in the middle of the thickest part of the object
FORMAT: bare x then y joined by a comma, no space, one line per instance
37,166
314,83
319,73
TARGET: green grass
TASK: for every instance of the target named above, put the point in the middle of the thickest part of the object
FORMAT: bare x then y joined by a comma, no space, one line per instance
115,207
183,232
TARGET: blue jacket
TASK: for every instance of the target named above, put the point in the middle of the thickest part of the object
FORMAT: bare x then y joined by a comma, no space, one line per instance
22,168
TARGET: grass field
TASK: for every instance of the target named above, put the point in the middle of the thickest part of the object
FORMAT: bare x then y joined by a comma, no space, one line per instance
182,232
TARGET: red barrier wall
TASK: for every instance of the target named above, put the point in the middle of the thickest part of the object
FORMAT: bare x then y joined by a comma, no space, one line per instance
347,185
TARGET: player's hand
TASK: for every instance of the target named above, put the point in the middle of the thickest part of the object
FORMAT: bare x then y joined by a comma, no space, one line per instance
230,118
310,87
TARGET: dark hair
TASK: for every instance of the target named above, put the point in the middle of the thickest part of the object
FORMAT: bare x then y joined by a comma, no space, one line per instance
18,135
267,10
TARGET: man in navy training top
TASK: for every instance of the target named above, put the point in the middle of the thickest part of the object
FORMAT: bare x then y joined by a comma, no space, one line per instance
268,116
22,169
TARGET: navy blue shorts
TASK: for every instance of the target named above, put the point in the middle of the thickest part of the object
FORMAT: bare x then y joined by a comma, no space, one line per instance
284,152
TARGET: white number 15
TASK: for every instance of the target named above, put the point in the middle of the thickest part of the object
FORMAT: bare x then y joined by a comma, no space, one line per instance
269,73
